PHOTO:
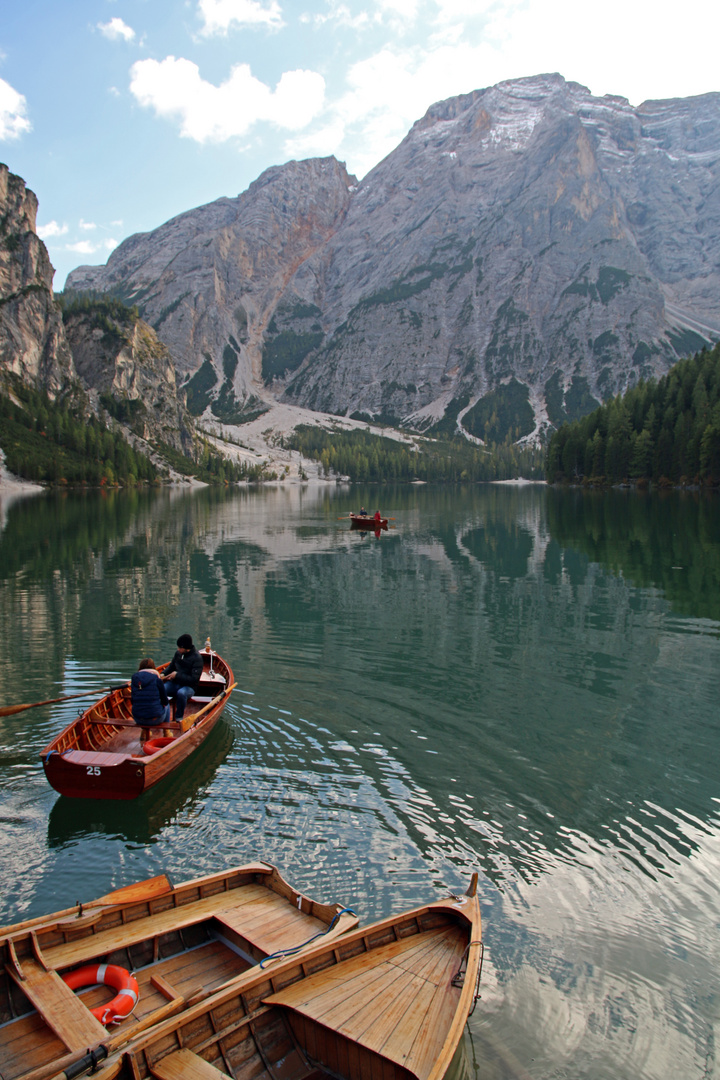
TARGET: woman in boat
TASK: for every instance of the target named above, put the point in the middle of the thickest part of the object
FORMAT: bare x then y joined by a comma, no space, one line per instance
150,707
378,519
183,673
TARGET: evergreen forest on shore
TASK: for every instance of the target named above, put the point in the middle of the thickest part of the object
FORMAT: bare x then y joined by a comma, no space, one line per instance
664,432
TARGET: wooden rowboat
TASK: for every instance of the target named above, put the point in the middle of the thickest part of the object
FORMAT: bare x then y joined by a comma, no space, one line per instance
99,755
360,521
385,1002
181,943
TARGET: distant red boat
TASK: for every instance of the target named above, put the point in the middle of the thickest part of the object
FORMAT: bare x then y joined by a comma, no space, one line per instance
99,756
362,521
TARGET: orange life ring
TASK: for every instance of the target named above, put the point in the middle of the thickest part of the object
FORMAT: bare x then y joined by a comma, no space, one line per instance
151,746
110,975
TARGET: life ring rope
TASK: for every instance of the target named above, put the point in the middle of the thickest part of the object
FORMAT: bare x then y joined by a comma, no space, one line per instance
128,991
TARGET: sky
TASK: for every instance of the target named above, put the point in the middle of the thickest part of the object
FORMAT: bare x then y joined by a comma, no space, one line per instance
120,114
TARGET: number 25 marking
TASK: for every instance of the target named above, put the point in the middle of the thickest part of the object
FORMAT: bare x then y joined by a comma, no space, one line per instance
93,770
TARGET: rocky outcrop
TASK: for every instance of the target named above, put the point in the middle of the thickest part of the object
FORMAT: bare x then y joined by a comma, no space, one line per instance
32,341
130,373
527,251
111,355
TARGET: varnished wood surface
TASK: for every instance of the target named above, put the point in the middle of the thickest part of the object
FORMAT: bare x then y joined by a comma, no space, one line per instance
392,1000
184,1065
64,1014
379,1003
220,924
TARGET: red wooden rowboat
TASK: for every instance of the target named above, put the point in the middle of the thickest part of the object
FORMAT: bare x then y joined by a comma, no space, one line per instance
99,756
361,521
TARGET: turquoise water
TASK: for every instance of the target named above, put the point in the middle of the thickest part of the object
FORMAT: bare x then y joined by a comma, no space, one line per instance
516,680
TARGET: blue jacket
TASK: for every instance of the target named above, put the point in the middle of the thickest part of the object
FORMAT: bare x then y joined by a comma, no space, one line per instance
148,695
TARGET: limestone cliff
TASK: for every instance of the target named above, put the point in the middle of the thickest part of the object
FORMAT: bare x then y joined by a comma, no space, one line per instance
525,252
128,371
118,361
209,280
32,341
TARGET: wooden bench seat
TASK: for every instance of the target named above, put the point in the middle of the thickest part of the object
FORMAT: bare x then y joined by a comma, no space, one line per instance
61,1010
185,1065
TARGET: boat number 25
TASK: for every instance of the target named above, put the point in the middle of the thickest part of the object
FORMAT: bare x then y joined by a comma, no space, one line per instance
93,770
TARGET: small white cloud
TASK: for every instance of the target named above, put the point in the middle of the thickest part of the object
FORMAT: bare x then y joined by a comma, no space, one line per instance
220,15
13,113
175,90
47,232
116,30
87,226
110,244
116,224
82,247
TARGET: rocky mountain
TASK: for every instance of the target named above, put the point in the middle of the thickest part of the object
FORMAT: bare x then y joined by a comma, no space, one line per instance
525,252
32,339
102,349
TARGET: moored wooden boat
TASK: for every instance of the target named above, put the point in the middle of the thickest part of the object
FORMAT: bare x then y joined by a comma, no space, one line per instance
386,1002
99,755
181,943
360,521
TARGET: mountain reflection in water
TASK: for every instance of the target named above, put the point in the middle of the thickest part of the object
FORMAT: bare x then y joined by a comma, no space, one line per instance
514,679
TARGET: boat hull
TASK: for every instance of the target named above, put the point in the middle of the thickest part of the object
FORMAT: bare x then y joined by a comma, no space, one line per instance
359,521
99,755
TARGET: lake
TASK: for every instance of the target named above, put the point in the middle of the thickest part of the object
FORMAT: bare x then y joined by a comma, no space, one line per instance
512,679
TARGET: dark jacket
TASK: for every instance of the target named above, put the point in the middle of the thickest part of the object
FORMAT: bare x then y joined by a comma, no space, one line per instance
147,695
188,667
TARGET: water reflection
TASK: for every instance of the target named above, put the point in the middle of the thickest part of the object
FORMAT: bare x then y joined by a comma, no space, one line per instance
519,680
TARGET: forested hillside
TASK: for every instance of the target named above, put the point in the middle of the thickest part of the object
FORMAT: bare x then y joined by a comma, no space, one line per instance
665,432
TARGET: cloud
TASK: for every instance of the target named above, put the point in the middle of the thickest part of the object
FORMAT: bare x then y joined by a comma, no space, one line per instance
91,247
13,113
86,225
207,113
219,15
116,30
82,247
386,93
47,232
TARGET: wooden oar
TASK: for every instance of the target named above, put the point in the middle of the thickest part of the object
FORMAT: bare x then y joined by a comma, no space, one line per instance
8,710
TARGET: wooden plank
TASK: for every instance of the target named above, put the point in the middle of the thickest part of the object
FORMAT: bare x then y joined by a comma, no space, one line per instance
184,1065
396,1001
432,1025
321,983
64,1013
149,926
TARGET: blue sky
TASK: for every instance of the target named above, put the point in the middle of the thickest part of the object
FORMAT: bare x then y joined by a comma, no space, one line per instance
120,114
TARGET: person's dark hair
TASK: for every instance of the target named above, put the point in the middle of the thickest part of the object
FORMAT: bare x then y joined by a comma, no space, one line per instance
148,662
185,641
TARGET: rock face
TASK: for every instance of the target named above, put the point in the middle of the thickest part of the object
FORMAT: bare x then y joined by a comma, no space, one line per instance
527,251
115,358
128,371
209,281
32,340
